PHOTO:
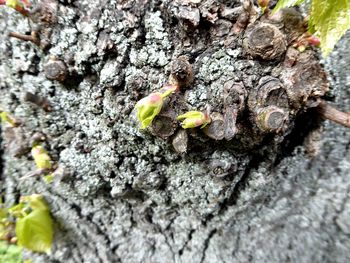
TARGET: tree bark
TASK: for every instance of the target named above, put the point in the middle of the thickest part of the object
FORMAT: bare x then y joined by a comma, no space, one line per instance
125,195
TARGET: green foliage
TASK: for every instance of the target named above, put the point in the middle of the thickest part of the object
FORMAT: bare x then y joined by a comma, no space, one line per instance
34,226
329,20
10,253
34,230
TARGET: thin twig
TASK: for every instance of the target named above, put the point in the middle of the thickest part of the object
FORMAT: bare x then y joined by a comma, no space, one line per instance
35,173
33,37
330,113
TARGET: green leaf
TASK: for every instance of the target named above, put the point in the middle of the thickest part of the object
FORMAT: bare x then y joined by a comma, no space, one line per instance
330,20
286,3
35,231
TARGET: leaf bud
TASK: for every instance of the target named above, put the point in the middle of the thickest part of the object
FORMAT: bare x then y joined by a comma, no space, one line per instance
263,4
41,158
194,119
5,117
149,107
314,41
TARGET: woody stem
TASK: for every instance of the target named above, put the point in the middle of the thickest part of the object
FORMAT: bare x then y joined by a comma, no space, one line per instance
32,38
330,113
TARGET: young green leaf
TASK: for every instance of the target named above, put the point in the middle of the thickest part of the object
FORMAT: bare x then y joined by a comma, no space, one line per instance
35,231
34,226
286,3
330,19
17,210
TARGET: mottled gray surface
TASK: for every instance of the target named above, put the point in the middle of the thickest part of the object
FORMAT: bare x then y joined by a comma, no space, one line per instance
129,197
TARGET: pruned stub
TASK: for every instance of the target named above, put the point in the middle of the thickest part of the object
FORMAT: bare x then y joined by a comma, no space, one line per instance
222,164
305,80
234,97
216,130
164,125
269,105
181,72
266,41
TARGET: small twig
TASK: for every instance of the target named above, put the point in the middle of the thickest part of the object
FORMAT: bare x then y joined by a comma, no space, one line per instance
35,173
330,113
33,37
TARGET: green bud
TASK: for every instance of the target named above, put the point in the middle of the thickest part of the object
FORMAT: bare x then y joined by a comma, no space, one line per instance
7,118
194,119
41,158
149,107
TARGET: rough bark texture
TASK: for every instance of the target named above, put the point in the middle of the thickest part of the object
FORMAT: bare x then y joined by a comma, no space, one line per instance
127,196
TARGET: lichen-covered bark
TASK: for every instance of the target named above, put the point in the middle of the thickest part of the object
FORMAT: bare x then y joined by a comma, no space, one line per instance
126,195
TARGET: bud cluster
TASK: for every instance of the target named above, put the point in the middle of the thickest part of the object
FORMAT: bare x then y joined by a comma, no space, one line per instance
306,40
